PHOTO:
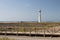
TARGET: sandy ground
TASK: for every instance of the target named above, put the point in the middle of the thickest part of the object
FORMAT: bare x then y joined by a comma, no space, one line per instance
30,38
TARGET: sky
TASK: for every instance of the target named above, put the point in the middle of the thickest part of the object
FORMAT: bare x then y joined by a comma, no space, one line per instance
27,10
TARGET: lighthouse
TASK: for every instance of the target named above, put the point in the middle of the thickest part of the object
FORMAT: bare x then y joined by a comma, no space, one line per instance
39,16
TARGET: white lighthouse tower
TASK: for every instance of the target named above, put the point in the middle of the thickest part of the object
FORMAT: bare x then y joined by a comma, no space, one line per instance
39,16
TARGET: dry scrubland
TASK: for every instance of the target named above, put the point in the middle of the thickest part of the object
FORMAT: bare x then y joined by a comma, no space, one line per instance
29,26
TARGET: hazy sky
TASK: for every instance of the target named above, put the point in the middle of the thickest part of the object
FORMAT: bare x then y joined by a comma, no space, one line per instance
27,10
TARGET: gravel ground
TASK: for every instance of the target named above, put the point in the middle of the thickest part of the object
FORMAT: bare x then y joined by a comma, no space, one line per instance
31,38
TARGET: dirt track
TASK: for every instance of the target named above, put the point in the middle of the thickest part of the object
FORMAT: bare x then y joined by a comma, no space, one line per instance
31,38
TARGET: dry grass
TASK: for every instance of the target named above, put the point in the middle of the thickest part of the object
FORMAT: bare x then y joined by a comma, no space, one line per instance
27,27
6,38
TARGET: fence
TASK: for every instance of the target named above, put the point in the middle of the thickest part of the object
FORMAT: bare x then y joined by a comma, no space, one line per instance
31,30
